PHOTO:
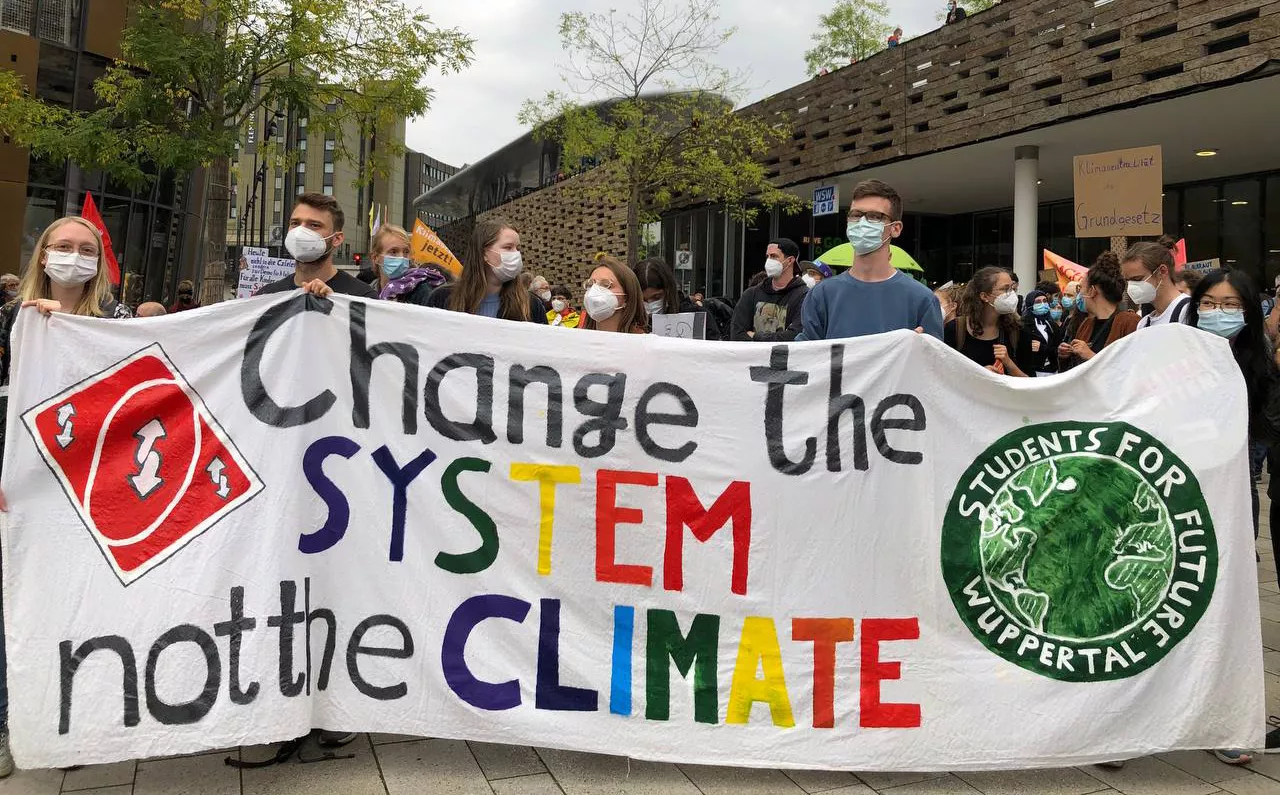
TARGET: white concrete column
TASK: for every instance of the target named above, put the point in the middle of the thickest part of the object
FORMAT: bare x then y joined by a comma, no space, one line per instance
1026,212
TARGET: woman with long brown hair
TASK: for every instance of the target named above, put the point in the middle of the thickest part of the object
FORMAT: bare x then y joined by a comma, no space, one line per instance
489,285
614,300
986,327
398,278
1104,323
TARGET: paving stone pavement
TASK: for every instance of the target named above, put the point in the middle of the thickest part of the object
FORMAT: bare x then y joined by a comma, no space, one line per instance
400,765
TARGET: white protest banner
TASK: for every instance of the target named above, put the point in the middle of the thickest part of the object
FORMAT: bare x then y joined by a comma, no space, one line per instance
1204,265
261,270
237,523
685,325
1119,193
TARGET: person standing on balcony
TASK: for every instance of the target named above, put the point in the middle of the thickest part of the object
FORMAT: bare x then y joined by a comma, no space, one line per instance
955,13
896,38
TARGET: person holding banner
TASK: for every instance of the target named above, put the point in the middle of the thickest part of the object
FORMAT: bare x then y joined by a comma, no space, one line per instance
662,296
489,285
1104,322
67,273
398,279
613,300
1149,268
315,232
986,328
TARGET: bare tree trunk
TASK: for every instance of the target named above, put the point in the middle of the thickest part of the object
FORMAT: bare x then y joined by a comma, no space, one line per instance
214,239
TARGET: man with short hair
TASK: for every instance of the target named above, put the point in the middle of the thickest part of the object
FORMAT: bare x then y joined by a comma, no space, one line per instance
315,232
150,309
872,297
186,297
771,310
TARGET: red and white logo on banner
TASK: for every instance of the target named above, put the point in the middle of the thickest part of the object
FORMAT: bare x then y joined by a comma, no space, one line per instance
142,459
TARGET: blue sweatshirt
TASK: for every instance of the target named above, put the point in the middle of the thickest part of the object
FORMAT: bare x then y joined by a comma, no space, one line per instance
843,307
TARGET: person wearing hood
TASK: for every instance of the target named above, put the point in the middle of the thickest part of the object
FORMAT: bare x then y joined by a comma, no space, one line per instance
1041,332
662,296
771,311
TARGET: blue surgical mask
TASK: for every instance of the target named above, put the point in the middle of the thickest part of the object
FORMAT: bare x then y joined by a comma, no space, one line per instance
1040,310
1080,302
866,236
1224,324
1055,313
394,267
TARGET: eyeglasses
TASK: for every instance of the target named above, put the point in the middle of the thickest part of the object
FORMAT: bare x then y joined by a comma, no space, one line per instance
66,248
873,216
606,283
1232,306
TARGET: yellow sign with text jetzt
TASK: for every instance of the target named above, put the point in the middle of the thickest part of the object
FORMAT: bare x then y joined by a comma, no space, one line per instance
429,249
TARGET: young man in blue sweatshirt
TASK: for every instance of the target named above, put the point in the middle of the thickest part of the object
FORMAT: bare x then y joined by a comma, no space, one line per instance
872,297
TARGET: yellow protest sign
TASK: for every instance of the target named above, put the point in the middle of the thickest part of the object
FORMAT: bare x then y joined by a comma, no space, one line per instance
429,249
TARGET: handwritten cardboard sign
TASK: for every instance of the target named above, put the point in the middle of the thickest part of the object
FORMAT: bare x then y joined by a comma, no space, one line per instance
1119,193
686,325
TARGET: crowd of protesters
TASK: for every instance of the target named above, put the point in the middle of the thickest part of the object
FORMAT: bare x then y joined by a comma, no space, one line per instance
1046,332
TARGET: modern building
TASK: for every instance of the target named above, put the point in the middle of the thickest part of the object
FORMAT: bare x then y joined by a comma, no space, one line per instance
259,215
60,47
422,173
977,124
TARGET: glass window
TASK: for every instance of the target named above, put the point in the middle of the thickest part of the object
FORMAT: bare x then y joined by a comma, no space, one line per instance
302,144
158,254
328,190
328,168
56,78
59,22
986,230
115,216
167,188
45,172
276,206
1090,248
91,68
1272,226
1201,211
18,15
302,123
44,206
1242,227
1172,210
329,144
328,181
132,256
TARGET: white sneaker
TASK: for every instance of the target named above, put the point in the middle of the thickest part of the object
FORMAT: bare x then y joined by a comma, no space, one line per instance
6,758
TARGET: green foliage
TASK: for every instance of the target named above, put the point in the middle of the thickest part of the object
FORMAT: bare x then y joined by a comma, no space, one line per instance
195,73
666,129
853,29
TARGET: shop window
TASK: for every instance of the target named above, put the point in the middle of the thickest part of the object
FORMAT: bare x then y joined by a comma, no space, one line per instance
56,78
44,206
1201,214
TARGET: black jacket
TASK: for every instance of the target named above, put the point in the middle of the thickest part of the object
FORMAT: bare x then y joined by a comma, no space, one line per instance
774,315
713,328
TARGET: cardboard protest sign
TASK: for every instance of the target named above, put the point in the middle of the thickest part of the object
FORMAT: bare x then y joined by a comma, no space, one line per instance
685,325
1204,266
429,249
1119,193
236,523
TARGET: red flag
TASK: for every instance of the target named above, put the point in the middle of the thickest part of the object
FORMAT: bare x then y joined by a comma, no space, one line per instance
90,213
1180,254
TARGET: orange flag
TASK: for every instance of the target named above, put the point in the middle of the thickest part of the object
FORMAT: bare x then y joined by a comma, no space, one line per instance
429,249
1067,270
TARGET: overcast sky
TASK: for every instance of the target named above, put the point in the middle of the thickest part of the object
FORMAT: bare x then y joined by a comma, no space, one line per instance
518,51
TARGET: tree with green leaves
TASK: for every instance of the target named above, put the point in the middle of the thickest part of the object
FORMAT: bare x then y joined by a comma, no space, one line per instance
195,74
853,29
649,105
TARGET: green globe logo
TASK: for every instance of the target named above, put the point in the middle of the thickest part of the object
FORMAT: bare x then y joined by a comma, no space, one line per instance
1080,551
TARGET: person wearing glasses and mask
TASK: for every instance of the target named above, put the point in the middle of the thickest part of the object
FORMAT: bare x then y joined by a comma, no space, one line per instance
873,297
986,327
613,299
315,232
1227,304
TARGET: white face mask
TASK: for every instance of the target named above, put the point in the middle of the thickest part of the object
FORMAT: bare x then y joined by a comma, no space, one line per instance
69,268
655,307
559,305
510,266
809,281
1006,304
600,303
306,245
544,295
1143,292
772,268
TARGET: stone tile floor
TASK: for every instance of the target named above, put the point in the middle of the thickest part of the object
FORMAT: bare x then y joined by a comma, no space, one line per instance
400,765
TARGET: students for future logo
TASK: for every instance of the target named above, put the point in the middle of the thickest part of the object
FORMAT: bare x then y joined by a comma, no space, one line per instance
1083,552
